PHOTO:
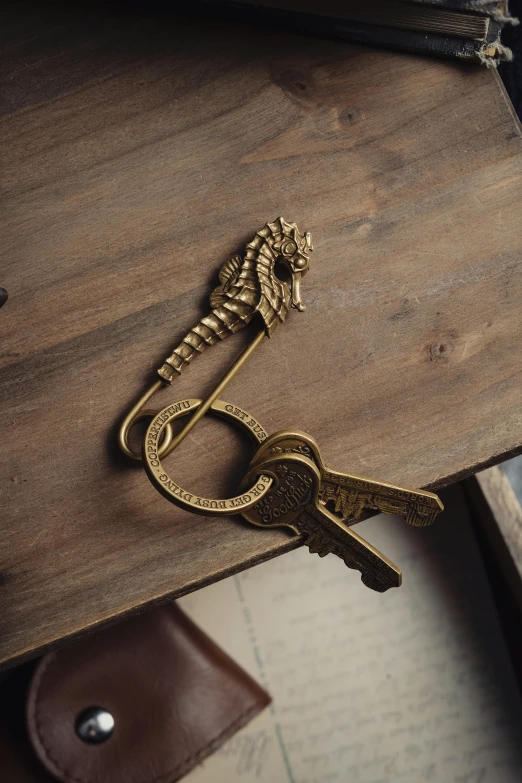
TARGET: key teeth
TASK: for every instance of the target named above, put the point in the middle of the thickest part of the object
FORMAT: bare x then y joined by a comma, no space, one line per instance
374,584
378,585
321,551
317,546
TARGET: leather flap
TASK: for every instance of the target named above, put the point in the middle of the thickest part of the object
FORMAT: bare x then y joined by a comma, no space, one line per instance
174,695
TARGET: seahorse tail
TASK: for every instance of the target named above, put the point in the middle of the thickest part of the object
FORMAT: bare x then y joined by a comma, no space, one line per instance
221,322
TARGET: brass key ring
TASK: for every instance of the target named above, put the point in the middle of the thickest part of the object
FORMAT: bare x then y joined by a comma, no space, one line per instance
188,500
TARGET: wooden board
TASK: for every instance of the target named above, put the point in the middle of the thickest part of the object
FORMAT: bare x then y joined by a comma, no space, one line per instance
497,509
138,152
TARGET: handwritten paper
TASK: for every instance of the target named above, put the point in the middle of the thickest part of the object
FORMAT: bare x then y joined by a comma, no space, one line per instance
410,686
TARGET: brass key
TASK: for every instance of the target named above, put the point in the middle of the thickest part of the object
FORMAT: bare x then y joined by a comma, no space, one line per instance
348,495
294,502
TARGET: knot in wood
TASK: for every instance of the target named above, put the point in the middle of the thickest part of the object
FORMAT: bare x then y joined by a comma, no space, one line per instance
440,350
350,116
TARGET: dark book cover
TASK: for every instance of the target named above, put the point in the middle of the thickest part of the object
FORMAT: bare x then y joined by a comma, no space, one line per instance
463,29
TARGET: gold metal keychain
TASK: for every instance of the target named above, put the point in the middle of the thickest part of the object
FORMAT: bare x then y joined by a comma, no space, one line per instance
248,287
287,483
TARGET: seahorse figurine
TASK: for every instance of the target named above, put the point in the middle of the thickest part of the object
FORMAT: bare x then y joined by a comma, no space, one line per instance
249,285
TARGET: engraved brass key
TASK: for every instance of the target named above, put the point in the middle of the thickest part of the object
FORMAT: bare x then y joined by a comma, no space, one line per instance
284,487
348,495
293,501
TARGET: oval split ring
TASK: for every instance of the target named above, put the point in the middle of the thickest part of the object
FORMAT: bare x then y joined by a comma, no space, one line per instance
189,500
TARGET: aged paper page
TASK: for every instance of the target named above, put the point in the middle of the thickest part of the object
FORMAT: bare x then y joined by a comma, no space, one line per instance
413,685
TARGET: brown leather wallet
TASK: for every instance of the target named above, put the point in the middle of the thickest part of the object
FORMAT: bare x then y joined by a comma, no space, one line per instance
174,695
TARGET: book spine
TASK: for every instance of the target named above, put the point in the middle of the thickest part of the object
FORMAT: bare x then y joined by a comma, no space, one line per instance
489,52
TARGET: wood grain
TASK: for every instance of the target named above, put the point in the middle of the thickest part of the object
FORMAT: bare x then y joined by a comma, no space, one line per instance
497,509
138,152
506,509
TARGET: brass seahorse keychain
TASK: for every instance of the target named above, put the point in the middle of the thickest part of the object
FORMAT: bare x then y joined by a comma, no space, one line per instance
287,483
248,286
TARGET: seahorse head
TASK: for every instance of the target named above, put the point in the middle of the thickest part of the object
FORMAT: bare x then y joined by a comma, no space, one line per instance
293,249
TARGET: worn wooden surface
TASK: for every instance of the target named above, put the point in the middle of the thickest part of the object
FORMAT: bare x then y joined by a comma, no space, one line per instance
137,154
497,508
506,509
